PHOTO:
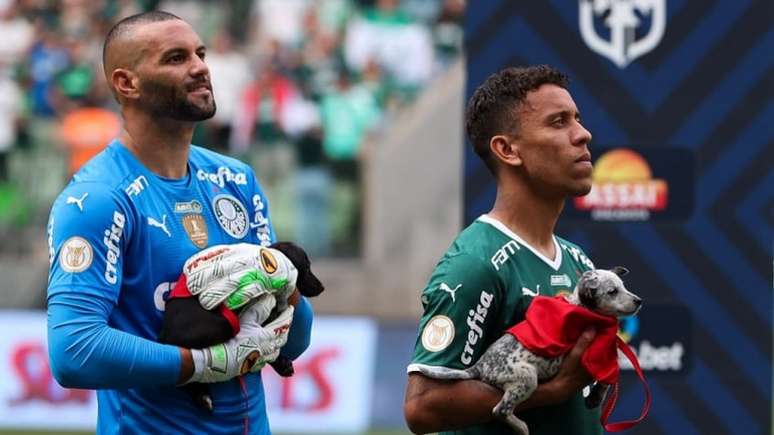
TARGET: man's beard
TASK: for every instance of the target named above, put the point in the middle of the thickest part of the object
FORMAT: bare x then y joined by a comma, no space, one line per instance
171,102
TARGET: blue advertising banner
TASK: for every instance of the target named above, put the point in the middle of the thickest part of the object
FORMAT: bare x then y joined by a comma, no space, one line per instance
682,87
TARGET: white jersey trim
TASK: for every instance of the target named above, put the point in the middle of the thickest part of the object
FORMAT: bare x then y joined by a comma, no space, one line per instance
554,264
415,368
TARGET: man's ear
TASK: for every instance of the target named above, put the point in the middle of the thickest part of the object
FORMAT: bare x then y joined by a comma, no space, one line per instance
505,150
125,83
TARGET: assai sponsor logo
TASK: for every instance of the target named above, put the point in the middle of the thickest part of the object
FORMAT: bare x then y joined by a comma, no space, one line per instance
221,176
638,185
623,188
475,322
112,240
662,347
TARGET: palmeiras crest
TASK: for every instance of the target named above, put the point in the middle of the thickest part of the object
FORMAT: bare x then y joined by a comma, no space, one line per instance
623,18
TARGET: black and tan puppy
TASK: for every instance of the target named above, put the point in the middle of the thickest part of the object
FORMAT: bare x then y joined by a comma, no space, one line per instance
189,325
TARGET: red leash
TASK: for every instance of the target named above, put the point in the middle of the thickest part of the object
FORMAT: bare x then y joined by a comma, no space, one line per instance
613,397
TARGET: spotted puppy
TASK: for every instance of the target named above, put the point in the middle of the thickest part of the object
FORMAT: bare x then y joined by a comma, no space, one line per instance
508,365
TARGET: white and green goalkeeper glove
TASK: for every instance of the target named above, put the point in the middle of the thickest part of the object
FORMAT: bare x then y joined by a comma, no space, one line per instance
251,349
238,274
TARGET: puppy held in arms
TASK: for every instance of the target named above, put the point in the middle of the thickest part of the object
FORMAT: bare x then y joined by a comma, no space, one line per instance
186,323
533,350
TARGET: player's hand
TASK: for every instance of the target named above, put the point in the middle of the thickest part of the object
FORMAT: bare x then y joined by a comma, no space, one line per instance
238,274
250,350
572,376
273,335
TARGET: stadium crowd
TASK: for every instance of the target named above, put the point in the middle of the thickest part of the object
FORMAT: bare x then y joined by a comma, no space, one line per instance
300,85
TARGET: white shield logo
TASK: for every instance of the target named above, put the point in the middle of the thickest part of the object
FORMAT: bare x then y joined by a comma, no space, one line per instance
622,20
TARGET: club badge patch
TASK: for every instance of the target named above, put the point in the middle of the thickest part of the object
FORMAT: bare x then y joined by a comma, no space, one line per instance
438,333
268,261
196,228
231,215
76,255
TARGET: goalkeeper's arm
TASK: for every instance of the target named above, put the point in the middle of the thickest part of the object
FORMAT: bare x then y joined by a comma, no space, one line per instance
300,330
85,352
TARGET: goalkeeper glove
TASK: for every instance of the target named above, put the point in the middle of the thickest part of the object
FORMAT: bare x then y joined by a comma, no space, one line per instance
250,350
237,274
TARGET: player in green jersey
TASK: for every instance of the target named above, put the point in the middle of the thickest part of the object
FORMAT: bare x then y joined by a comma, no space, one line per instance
525,126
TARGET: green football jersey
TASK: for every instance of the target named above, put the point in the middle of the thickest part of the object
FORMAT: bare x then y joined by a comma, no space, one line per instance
481,287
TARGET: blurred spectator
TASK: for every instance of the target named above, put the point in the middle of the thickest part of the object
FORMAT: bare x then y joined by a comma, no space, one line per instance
262,110
46,60
10,112
85,132
320,60
74,86
388,35
230,73
18,35
313,196
300,85
280,20
447,31
348,114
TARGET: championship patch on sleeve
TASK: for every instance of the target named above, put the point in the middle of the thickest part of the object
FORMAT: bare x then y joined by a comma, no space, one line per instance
438,333
76,255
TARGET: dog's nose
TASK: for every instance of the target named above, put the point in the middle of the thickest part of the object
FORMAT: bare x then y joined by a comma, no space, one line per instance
638,302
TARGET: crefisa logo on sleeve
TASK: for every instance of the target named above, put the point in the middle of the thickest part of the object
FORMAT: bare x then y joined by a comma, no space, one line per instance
640,185
112,240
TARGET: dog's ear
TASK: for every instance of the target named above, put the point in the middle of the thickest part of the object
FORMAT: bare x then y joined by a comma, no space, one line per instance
620,270
307,283
588,287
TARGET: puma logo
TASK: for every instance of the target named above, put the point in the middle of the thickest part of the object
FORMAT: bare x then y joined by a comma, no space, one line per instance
449,290
527,292
163,224
77,201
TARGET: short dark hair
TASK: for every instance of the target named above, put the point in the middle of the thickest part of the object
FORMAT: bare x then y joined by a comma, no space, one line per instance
123,26
492,108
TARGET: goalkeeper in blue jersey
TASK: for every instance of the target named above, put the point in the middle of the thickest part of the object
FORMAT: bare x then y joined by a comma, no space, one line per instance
121,231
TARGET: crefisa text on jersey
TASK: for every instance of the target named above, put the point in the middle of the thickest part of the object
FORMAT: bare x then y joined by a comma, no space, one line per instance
111,241
475,320
222,176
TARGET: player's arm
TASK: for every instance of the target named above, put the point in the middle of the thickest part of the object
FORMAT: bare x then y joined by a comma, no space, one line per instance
433,405
88,232
300,330
87,353
262,233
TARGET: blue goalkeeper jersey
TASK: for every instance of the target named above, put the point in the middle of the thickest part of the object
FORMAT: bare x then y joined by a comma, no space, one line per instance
118,237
